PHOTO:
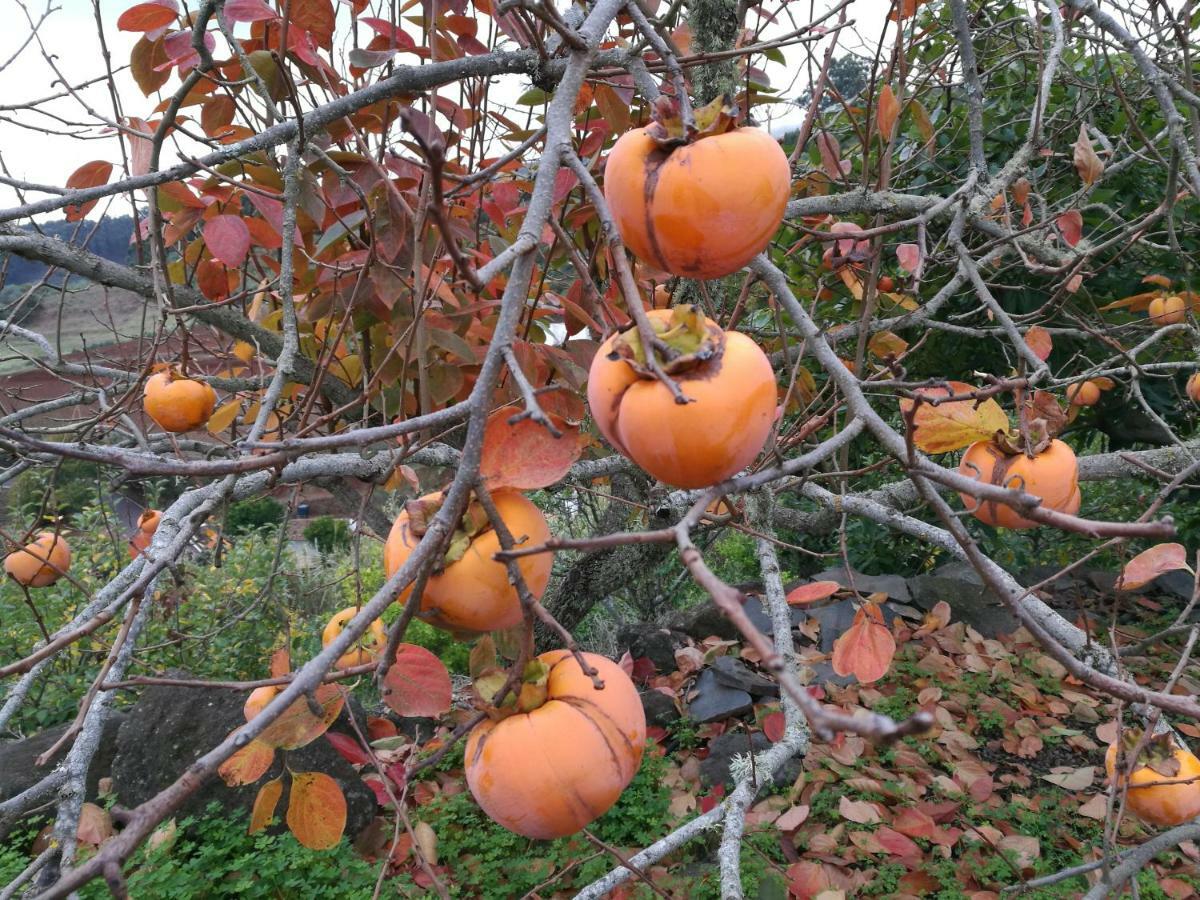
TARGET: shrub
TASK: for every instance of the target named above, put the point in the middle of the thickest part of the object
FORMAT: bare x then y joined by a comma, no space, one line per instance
250,515
328,534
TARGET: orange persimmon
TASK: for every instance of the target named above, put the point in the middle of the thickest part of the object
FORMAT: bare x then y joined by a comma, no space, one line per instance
372,643
147,524
1166,797
178,404
1052,475
41,562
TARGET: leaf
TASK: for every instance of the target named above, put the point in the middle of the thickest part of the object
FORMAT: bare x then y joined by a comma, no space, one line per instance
811,593
1074,780
95,825
426,842
316,810
348,748
1071,226
483,656
1096,808
914,823
148,64
224,415
909,257
299,726
887,111
248,11
140,148
148,16
417,684
88,175
956,423
526,456
281,663
865,650
1087,163
264,804
898,844
924,124
1039,341
831,152
773,725
884,344
861,811
793,818
228,239
248,764
1149,564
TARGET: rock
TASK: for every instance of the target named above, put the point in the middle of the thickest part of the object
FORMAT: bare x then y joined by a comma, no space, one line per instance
19,772
418,728
822,673
1176,583
970,602
170,727
713,701
703,620
733,673
892,585
660,709
1064,584
757,612
656,643
1101,580
714,769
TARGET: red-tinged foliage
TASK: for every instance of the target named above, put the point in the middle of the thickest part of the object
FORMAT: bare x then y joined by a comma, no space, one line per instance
812,592
524,454
1071,226
417,683
773,726
227,239
348,748
248,764
1151,563
866,649
88,175
316,810
1039,341
379,728
248,11
148,16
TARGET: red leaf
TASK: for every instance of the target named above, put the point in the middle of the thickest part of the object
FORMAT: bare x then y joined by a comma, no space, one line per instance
265,803
249,764
378,728
643,669
228,240
898,845
348,748
914,823
95,825
865,650
1071,226
811,593
1149,564
316,17
148,16
909,257
1039,341
375,783
772,726
316,810
248,11
526,456
417,684
88,175
710,801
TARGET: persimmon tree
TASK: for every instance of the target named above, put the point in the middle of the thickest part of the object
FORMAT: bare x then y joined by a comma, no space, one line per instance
376,237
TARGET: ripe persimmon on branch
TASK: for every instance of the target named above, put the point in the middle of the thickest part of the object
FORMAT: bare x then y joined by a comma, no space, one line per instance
556,300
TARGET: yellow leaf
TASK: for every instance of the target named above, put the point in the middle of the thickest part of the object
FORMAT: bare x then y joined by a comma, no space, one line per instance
316,810
886,344
265,803
954,424
243,351
224,416
271,320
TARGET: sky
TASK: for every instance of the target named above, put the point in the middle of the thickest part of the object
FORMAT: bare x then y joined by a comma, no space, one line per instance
69,33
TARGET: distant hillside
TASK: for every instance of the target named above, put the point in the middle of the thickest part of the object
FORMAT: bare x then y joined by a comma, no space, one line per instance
111,240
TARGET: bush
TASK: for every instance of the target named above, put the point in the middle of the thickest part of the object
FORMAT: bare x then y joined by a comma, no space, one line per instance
250,515
328,534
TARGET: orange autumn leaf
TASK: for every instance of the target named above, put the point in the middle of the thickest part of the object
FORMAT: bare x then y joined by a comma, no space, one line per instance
887,111
1149,564
811,593
316,810
954,424
1039,341
866,648
298,725
249,764
281,663
525,455
265,803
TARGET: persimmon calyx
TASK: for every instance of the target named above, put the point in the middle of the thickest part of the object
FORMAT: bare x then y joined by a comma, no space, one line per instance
668,129
474,522
1158,755
685,342
527,694
1013,443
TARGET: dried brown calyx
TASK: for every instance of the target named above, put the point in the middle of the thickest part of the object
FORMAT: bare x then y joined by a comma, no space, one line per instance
474,522
669,130
686,341
529,693
1158,754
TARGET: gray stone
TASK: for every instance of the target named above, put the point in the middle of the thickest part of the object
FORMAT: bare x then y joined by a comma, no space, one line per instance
892,585
970,602
1176,583
712,700
732,672
659,708
19,771
1101,580
834,619
714,769
1059,585
757,612
656,643
703,620
823,674
170,727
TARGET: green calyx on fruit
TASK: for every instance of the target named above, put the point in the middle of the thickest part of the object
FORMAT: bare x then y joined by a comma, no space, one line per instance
685,342
668,129
473,523
526,695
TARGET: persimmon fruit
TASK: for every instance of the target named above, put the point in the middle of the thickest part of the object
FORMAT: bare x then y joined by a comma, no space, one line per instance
1151,795
470,592
259,698
372,643
548,772
1168,310
701,206
1052,474
1193,388
729,381
1083,393
147,524
178,404
41,562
